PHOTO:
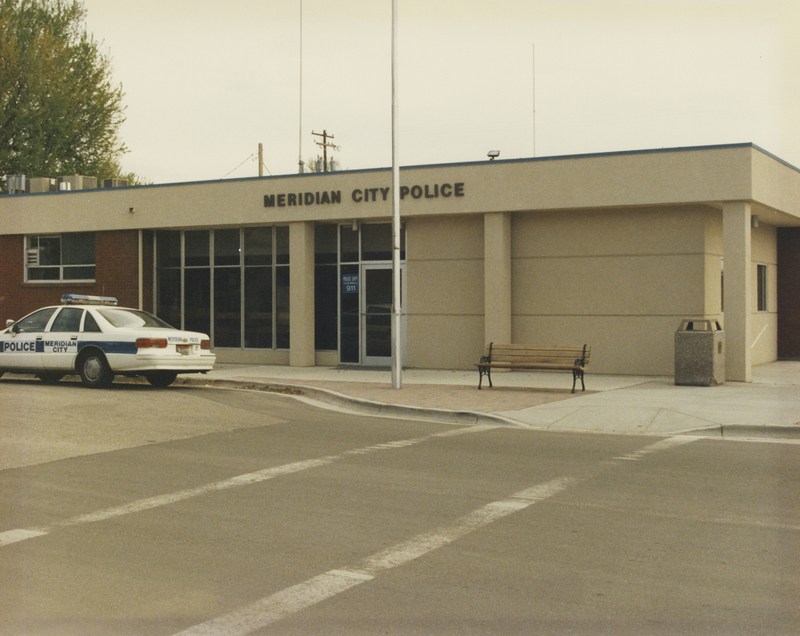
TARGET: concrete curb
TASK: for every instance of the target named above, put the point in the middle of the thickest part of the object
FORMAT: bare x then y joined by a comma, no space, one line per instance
362,406
747,430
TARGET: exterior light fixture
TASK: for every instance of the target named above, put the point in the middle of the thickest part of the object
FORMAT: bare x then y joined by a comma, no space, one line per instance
493,154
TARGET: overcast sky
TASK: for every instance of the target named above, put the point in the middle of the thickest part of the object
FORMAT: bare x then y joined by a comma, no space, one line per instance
206,80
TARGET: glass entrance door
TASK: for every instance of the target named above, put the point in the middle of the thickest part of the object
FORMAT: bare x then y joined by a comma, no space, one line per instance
376,315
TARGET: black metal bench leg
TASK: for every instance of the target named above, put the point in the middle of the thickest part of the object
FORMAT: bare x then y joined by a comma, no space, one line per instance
484,371
577,373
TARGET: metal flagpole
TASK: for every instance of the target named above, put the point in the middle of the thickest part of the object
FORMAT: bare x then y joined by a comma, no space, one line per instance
397,363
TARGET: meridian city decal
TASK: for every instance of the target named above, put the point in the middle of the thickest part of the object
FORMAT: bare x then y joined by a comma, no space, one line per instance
359,195
39,346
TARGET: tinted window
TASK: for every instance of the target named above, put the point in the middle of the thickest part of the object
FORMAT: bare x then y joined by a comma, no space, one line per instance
37,321
68,319
90,324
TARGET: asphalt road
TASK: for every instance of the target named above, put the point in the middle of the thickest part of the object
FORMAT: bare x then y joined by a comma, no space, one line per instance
218,512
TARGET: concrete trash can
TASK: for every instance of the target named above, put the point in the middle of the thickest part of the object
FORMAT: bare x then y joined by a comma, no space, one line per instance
699,353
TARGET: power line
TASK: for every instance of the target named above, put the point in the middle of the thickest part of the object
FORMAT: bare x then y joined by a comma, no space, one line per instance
252,156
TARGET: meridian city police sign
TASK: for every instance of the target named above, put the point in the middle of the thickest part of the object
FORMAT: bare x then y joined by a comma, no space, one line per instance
359,195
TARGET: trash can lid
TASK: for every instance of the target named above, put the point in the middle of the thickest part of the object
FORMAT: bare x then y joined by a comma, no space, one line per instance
700,324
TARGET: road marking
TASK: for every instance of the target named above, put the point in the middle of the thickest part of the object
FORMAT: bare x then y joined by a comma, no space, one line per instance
291,600
14,536
664,444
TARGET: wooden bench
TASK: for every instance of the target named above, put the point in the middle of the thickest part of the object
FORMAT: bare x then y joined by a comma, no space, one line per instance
554,358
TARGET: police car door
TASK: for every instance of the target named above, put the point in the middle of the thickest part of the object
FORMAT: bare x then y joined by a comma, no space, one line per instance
22,344
60,344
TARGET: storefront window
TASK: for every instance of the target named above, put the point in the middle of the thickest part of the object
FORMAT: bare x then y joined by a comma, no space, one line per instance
350,317
282,245
227,307
376,242
197,248
227,250
325,286
197,292
349,244
282,307
197,280
258,288
168,248
233,301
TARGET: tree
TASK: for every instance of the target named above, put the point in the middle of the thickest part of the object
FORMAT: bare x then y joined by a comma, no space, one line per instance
59,110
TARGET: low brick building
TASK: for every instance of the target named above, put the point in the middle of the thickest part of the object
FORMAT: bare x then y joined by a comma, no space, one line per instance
613,250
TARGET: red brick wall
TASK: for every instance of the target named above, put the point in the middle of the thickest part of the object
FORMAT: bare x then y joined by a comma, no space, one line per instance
788,292
116,274
148,261
117,271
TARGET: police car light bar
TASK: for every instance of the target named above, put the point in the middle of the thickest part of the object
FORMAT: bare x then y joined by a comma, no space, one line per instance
79,299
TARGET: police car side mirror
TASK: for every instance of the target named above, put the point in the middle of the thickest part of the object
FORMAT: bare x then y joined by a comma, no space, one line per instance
9,322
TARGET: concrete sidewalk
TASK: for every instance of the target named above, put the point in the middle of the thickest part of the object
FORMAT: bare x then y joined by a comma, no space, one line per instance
769,406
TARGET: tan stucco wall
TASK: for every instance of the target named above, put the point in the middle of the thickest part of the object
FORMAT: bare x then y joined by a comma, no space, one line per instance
764,331
445,291
620,281
776,187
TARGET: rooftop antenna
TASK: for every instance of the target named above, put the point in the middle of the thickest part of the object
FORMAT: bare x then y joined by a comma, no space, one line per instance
533,66
300,168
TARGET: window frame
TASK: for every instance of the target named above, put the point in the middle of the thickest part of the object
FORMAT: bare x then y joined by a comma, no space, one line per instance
33,264
762,287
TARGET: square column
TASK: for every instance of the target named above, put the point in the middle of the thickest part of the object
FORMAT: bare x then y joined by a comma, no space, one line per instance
497,277
736,250
301,294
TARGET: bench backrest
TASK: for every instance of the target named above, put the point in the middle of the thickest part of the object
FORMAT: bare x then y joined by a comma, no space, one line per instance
533,354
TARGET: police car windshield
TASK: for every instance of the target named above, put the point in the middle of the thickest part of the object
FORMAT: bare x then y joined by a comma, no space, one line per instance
131,318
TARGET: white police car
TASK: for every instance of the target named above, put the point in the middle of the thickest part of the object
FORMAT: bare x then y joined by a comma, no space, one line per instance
91,336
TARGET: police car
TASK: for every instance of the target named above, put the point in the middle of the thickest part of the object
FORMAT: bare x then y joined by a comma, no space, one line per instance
93,337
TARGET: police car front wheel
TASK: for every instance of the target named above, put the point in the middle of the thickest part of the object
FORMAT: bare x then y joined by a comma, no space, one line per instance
94,370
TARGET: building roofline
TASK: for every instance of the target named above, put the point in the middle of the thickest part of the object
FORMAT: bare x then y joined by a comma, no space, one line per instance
590,155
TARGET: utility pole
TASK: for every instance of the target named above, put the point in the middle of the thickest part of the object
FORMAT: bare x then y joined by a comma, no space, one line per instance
260,160
325,145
